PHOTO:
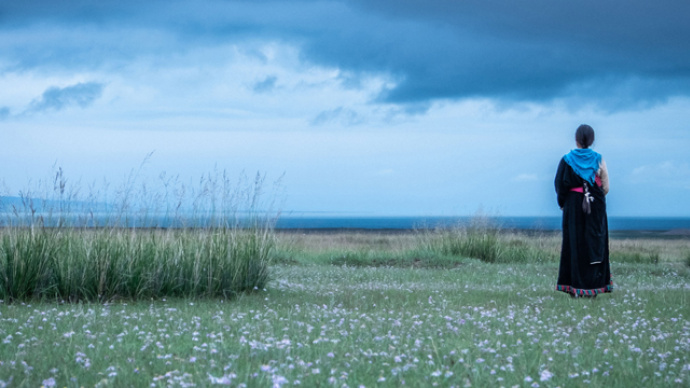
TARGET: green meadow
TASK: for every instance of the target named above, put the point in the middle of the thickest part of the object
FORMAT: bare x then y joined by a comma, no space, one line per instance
451,308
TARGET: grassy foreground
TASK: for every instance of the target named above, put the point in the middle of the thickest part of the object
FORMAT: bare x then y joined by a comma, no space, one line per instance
339,312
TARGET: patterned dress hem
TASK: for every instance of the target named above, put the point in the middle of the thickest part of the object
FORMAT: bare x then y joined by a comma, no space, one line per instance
582,292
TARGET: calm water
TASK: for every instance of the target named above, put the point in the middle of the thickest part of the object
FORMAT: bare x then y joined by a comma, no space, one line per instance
348,222
104,217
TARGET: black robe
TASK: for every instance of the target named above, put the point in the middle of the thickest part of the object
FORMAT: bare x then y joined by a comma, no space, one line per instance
584,268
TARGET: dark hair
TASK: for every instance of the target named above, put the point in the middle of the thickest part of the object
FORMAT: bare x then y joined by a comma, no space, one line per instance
584,136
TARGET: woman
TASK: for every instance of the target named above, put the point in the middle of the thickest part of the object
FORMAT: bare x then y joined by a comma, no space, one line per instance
582,183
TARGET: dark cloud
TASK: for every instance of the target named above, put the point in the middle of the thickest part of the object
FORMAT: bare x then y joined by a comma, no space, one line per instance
54,98
624,54
266,85
528,50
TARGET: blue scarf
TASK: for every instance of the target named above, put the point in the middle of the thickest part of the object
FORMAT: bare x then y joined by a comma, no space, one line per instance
584,162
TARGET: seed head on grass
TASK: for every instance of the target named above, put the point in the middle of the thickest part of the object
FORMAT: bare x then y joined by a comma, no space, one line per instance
48,252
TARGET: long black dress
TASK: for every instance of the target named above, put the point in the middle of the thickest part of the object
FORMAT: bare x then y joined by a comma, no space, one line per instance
584,269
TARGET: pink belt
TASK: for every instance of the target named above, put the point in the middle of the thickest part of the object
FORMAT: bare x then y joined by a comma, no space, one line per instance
581,190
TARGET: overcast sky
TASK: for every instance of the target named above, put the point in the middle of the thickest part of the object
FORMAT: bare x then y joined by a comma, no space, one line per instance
386,107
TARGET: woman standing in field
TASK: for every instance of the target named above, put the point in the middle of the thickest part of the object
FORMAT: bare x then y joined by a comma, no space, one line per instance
582,183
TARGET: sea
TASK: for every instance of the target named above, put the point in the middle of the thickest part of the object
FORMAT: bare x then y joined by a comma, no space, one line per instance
680,225
102,215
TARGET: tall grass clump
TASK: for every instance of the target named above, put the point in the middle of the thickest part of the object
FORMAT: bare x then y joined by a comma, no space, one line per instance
215,242
487,242
471,242
641,256
479,240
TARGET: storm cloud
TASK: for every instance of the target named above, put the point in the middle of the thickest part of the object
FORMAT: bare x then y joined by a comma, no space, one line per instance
622,53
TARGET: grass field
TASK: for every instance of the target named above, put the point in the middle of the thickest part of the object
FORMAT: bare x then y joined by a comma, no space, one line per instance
374,309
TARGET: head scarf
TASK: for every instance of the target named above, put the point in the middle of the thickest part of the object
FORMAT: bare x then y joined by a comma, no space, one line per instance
584,162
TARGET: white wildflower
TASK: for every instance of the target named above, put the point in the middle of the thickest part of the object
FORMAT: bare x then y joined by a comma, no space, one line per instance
545,375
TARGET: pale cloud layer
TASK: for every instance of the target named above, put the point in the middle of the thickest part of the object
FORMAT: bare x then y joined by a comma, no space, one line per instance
384,107
666,173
